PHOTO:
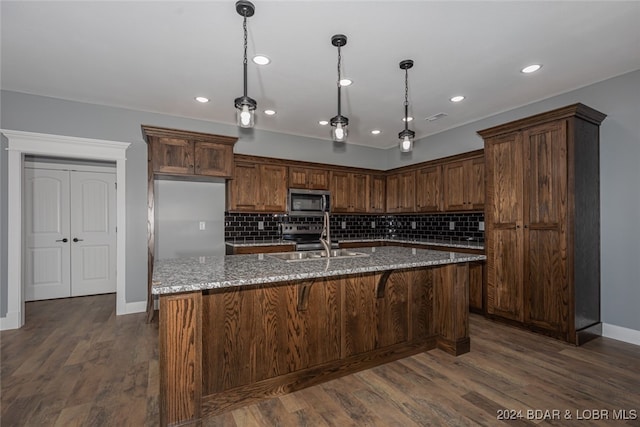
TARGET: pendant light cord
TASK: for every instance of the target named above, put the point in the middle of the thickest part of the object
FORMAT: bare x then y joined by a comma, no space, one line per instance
406,99
244,62
339,97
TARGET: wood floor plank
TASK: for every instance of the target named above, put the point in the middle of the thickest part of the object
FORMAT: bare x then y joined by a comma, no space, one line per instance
75,363
73,416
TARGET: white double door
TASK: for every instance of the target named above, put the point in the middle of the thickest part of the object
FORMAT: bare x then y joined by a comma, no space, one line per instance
70,233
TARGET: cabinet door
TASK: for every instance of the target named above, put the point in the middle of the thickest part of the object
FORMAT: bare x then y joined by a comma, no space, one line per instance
474,191
273,188
213,159
172,155
504,221
429,189
340,191
243,188
313,179
359,192
298,177
407,192
393,201
454,186
377,194
317,179
546,282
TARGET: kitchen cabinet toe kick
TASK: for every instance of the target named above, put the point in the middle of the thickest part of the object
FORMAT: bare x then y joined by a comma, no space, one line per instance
221,349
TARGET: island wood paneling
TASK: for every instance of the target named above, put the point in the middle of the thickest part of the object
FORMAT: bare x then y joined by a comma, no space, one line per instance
266,340
420,294
181,357
451,302
359,314
259,333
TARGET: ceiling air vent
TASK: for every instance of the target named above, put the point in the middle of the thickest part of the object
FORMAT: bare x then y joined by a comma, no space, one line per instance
436,117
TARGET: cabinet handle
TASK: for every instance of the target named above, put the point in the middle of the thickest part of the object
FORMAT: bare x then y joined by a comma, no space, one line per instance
75,239
65,240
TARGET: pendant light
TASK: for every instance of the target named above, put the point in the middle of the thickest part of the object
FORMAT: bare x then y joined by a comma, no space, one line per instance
339,123
407,135
245,106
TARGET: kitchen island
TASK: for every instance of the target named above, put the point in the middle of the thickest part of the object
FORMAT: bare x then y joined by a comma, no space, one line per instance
234,329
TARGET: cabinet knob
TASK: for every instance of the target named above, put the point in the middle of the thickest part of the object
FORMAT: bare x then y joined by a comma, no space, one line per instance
65,240
75,239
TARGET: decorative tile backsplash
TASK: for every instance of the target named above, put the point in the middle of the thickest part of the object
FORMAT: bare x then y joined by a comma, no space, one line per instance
245,227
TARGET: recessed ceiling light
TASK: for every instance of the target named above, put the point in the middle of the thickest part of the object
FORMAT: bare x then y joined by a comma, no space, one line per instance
531,68
323,122
201,99
456,98
270,112
408,119
346,82
375,132
261,60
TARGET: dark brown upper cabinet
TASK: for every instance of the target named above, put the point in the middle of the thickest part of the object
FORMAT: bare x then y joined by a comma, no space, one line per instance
183,153
309,178
464,185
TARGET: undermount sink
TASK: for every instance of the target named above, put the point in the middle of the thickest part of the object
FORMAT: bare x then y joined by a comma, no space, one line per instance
316,255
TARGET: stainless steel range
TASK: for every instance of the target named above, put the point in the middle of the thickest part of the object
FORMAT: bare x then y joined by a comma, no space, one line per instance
305,236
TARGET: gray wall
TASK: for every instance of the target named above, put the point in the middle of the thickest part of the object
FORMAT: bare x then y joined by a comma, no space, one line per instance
618,97
180,207
3,226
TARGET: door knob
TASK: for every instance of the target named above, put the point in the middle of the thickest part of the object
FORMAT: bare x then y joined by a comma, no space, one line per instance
75,239
65,240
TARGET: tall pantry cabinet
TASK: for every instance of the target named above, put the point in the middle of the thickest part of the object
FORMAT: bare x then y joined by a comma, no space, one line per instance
542,219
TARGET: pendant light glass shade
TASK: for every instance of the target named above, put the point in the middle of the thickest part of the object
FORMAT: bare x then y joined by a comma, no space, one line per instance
339,123
406,144
407,135
339,128
245,106
245,112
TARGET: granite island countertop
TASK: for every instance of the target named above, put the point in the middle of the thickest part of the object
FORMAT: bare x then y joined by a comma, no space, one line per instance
215,272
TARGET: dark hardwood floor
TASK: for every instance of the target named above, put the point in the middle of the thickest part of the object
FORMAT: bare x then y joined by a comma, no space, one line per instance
75,363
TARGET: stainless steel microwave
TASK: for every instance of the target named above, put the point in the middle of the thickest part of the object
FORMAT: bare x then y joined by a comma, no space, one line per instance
308,202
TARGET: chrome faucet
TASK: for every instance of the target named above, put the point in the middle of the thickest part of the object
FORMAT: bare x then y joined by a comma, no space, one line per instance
325,237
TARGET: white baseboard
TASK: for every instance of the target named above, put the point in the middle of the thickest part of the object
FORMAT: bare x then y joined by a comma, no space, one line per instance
10,321
135,307
621,334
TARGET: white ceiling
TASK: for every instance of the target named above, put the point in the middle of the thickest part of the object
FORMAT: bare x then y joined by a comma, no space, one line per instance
157,56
